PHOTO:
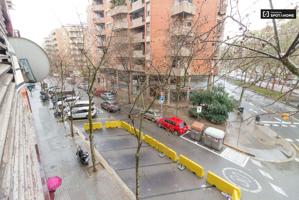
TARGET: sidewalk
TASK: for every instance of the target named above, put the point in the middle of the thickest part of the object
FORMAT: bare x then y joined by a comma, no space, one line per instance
57,152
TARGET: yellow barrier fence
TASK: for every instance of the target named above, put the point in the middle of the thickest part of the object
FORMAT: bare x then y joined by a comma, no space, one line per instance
95,126
125,126
224,185
113,124
151,141
191,165
167,151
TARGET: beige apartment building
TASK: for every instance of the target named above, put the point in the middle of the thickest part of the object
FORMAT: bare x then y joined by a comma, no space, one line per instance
65,44
150,38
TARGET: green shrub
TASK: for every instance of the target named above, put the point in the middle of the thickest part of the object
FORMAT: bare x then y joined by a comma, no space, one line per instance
217,105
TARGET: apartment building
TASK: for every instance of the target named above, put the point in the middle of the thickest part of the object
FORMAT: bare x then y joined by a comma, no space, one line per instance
153,37
65,44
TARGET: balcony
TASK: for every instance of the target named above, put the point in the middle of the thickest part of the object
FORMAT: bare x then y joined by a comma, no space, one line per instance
183,30
98,7
138,54
138,37
99,20
183,7
138,68
137,22
178,71
148,19
119,10
120,24
137,5
148,38
183,52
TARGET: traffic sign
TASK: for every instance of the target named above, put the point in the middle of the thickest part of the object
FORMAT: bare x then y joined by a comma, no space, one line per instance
198,109
162,99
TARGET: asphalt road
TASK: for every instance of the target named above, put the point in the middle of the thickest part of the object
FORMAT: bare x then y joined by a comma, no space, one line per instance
255,104
161,179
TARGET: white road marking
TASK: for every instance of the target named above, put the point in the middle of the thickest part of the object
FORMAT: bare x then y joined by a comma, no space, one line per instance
251,104
278,189
235,157
275,125
257,163
253,110
267,124
297,140
266,174
283,125
289,140
237,162
296,119
277,119
293,126
263,110
297,159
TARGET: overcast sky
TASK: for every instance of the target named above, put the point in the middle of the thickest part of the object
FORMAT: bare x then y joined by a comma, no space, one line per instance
37,18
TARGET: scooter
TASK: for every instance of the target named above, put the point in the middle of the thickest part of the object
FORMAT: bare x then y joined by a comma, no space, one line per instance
82,156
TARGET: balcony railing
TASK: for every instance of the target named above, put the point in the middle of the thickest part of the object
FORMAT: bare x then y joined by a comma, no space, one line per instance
183,6
99,20
139,68
98,7
138,22
138,37
119,10
120,24
182,30
178,71
183,51
138,54
137,5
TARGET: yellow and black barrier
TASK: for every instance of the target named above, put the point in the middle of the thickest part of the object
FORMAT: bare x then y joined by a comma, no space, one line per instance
95,126
171,154
224,185
113,124
191,165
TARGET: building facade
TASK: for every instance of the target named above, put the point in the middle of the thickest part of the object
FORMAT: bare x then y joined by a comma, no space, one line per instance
150,38
65,45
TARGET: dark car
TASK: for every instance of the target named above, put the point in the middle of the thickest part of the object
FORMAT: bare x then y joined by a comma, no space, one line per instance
110,106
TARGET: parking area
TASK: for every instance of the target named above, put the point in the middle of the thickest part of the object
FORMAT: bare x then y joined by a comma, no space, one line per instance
160,177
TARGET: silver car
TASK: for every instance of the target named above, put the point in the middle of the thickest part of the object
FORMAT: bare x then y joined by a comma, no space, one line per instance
152,115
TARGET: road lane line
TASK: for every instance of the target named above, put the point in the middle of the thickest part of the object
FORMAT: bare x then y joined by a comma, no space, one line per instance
263,110
278,189
244,161
266,174
257,163
289,140
253,110
277,119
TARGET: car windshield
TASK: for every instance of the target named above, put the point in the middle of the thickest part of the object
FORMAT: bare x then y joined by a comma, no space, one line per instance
182,124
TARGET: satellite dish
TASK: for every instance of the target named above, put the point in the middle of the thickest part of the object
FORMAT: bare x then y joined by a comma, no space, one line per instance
33,60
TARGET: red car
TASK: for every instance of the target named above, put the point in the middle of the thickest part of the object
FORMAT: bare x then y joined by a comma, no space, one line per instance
173,124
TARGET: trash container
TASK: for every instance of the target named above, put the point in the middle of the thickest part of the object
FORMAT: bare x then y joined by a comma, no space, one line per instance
196,131
213,138
257,118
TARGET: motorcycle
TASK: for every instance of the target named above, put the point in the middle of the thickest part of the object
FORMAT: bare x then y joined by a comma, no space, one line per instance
82,156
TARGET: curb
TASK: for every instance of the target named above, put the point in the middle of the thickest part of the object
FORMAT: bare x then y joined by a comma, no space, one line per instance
110,170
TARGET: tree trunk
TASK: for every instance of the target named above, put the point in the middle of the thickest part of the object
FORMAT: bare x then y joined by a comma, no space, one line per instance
72,124
268,83
210,84
129,87
241,95
137,177
91,134
273,83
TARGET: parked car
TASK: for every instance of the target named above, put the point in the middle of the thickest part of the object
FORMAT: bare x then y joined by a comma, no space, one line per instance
108,96
110,107
82,113
173,124
152,115
71,99
98,91
83,103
